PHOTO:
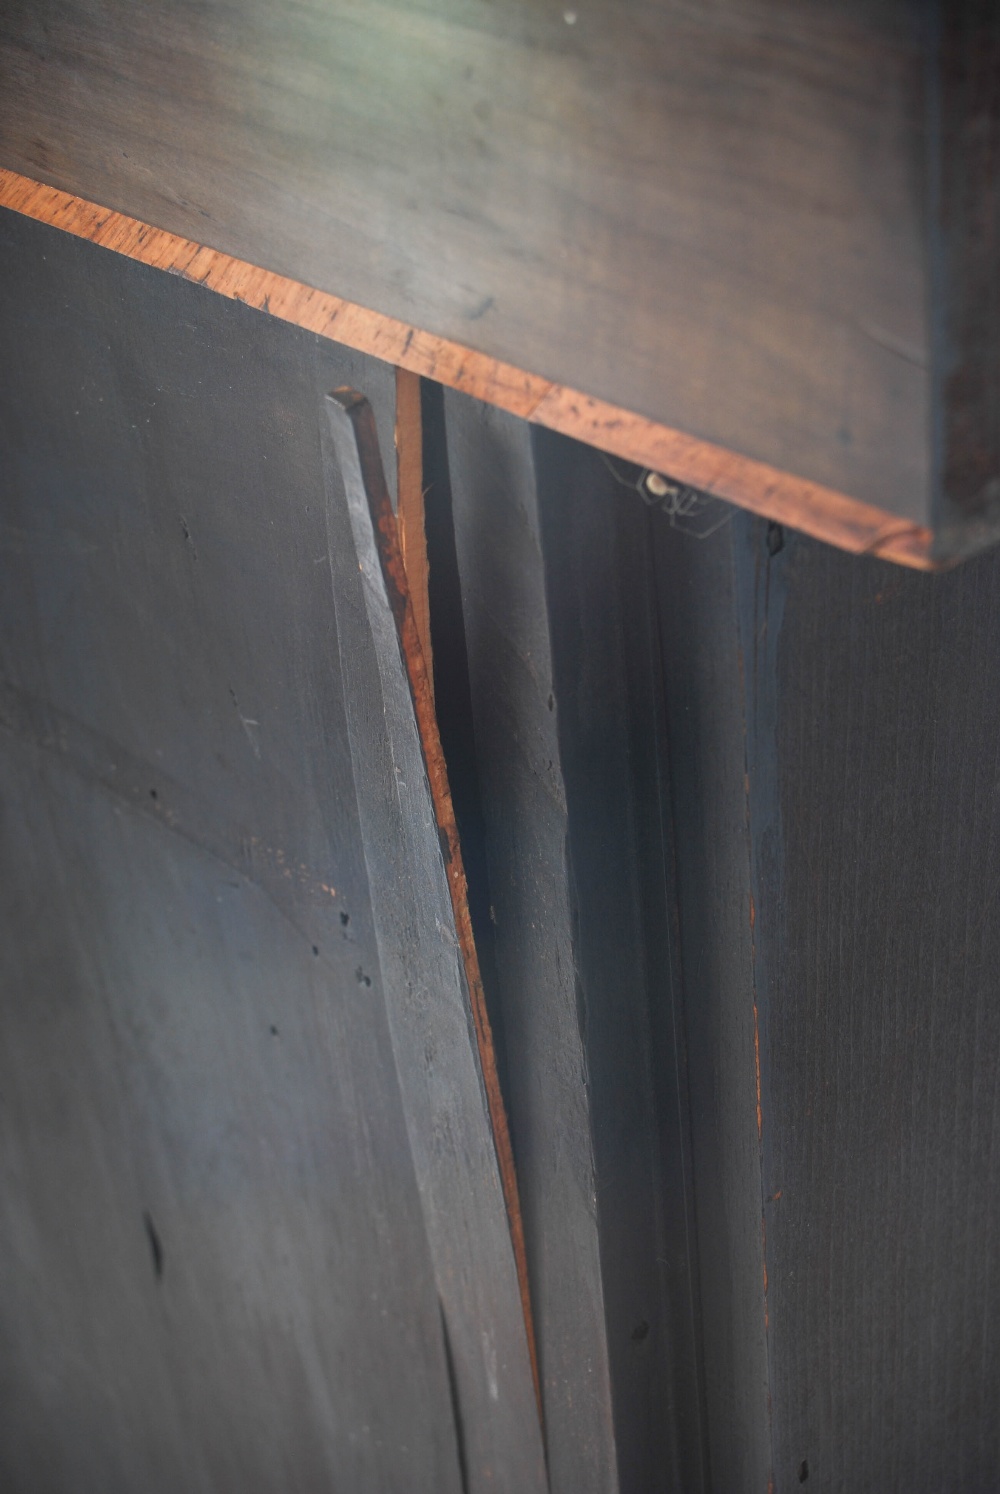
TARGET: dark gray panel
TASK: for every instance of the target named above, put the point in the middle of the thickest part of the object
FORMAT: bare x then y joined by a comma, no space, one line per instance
629,980
847,714
510,674
564,688
219,1272
428,1000
197,1188
964,251
879,912
830,730
704,660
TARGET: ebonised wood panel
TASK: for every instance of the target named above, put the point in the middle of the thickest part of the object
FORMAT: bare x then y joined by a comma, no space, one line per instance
877,931
761,819
563,684
252,1234
843,917
517,761
963,255
713,215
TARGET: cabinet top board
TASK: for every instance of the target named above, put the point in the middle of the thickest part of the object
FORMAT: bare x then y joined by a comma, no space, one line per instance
750,241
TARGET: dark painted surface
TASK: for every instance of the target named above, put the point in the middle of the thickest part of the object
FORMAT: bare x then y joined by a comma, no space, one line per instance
611,727
740,800
506,627
453,698
775,846
714,215
221,1211
965,282
438,1064
881,1121
870,826
563,674
704,663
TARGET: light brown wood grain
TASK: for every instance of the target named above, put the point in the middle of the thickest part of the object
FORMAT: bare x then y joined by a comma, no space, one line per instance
780,496
410,508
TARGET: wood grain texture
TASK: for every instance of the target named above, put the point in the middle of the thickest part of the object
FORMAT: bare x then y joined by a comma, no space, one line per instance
238,1254
196,1186
376,535
499,557
410,509
446,1085
711,216
782,496
697,608
561,654
621,856
964,255
824,731
878,936
810,741
832,738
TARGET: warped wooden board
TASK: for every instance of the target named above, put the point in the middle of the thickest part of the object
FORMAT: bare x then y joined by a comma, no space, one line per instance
253,1235
729,220
560,657
420,784
510,678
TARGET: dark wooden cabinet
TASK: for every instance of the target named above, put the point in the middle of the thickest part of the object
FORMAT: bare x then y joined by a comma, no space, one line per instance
649,304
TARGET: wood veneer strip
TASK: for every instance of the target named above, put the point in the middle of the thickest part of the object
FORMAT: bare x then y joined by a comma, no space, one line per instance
780,496
410,508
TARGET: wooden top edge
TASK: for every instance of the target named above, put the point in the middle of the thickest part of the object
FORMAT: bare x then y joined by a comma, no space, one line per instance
793,501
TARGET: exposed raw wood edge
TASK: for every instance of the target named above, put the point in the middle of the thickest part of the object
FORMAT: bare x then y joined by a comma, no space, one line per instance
794,501
410,507
359,412
821,512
